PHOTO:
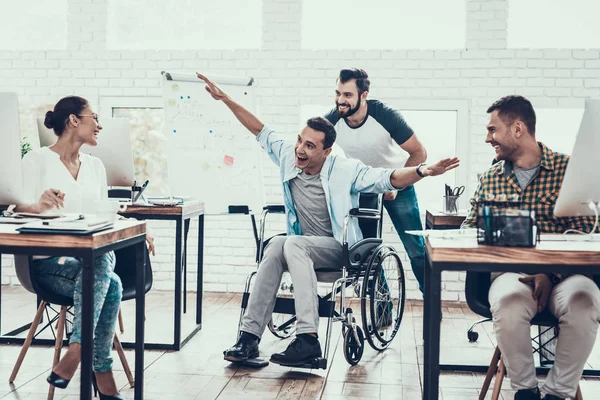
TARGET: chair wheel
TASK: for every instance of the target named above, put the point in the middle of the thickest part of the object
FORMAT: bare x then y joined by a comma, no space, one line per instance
353,350
473,336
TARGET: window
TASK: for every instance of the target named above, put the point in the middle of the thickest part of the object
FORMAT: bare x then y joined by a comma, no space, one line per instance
28,115
33,25
149,145
383,24
185,24
557,128
441,127
553,24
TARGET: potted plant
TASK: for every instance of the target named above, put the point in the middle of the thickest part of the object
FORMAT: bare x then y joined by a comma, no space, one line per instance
25,147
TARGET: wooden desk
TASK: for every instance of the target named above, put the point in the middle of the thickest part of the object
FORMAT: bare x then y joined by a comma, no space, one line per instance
439,220
464,254
182,216
124,234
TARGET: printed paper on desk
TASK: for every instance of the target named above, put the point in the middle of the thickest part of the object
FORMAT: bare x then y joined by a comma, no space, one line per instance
445,233
569,246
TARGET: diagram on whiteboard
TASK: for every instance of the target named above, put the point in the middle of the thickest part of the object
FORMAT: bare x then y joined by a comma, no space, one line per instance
211,155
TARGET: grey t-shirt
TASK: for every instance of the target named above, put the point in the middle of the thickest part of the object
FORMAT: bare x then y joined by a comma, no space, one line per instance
311,205
525,176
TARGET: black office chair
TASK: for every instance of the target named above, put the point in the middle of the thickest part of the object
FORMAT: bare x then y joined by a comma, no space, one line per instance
477,287
125,261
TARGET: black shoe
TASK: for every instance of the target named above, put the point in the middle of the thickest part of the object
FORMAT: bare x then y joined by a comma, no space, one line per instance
57,381
552,397
528,394
245,348
302,350
104,396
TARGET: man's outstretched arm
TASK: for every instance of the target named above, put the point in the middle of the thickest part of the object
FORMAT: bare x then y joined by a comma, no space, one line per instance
249,120
403,177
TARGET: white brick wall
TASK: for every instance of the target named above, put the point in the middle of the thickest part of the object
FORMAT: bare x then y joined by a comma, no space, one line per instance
289,77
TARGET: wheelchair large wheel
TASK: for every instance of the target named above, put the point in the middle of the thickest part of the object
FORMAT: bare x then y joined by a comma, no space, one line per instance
382,298
282,325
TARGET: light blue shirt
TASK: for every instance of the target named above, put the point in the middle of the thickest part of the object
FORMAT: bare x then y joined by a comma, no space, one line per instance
343,179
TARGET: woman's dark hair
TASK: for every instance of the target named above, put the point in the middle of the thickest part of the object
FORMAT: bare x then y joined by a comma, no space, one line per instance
362,79
59,118
323,125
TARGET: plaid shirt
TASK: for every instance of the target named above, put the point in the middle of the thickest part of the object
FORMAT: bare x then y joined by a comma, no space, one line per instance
540,195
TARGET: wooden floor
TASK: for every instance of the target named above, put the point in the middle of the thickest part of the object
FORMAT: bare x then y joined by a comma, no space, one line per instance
199,371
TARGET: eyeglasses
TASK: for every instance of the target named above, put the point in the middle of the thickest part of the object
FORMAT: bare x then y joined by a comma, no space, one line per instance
94,115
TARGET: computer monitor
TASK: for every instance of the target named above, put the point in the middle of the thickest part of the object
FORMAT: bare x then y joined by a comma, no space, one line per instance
113,149
11,172
581,184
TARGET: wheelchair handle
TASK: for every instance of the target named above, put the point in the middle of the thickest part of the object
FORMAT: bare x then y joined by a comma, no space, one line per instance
365,213
275,208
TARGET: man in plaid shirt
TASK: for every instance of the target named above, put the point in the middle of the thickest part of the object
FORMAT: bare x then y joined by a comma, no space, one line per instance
531,173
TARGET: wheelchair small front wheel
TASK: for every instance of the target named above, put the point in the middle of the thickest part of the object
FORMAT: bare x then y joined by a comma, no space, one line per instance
353,348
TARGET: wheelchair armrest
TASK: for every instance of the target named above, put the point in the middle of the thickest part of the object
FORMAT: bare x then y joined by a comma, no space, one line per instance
275,208
365,213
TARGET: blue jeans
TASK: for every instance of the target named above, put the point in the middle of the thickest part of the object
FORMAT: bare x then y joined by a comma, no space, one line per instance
405,215
65,279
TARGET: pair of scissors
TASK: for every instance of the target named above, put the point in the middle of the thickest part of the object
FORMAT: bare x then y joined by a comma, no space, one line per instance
457,191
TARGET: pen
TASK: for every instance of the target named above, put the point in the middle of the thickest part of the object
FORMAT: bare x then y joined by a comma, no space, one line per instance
141,190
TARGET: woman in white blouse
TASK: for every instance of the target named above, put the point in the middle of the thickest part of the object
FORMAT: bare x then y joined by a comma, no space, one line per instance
60,177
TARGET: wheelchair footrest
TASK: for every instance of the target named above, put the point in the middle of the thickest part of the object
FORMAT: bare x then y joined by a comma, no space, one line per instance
315,363
254,363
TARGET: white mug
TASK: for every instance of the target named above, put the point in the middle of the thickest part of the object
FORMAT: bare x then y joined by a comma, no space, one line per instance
105,209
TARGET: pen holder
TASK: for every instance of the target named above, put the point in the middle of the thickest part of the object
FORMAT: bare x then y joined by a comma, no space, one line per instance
134,192
450,205
505,224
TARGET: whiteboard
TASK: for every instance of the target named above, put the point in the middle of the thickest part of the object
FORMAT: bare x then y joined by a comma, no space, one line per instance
211,156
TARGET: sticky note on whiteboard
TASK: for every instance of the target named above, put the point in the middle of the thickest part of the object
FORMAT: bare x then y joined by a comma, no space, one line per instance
228,160
172,103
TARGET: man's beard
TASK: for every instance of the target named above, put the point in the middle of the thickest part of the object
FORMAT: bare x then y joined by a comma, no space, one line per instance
350,112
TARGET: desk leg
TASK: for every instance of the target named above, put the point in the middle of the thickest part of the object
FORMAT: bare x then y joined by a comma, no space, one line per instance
87,326
432,342
426,323
0,294
200,265
178,262
140,303
186,228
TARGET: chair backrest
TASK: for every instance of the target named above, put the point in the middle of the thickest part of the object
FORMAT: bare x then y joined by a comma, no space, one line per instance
125,268
371,228
22,270
477,287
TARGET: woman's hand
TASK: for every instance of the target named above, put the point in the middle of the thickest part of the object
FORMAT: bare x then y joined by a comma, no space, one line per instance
150,243
51,198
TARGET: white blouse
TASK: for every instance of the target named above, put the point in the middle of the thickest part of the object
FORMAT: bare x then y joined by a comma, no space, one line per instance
43,170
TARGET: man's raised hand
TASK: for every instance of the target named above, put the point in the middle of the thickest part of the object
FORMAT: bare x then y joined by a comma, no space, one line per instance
212,88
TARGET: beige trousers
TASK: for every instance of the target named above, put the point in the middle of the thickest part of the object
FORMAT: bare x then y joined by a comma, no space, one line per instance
575,302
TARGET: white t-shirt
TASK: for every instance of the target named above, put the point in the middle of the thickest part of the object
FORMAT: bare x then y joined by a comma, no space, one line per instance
43,170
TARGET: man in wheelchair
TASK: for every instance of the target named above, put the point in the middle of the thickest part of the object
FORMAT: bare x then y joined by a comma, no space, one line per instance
319,190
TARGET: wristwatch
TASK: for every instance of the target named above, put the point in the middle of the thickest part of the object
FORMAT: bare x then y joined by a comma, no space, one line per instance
419,170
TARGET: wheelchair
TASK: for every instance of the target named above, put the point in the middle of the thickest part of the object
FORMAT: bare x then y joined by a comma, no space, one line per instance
370,268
